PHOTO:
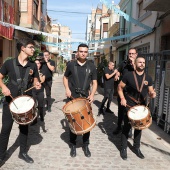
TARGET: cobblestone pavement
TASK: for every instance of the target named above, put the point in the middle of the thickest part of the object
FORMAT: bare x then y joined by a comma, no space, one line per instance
49,142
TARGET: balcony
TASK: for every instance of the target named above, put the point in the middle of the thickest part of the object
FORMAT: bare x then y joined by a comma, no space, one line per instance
156,5
119,42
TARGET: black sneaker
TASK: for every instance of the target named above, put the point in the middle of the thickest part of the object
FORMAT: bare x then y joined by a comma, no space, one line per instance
123,154
139,153
109,111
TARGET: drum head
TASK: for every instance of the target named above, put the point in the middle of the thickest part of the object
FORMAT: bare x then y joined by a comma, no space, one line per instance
74,106
23,103
138,112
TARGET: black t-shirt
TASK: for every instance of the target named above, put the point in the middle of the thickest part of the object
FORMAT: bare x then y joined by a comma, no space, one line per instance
81,71
48,73
8,69
131,89
108,83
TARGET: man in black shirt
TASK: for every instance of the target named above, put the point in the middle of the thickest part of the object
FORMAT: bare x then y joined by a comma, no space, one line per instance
48,68
109,74
124,68
138,85
28,74
76,85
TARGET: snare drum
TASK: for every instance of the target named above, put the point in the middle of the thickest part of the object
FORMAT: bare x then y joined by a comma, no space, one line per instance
23,109
140,117
79,114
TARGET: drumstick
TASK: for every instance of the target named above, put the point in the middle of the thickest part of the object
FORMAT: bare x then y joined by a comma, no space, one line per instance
13,101
72,97
30,88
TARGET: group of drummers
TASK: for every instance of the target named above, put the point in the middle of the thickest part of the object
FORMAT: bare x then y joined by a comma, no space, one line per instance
80,81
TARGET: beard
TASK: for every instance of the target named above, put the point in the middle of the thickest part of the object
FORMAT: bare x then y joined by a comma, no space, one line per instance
140,69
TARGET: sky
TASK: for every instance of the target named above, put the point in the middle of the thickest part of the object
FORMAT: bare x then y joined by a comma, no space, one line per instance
73,13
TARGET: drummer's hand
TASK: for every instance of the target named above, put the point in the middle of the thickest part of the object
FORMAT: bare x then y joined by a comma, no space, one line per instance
153,94
123,102
6,91
116,78
90,98
38,85
68,93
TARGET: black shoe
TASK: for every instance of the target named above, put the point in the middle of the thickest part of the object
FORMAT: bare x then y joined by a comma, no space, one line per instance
49,109
26,157
123,154
1,162
117,131
109,111
139,153
130,133
86,150
73,151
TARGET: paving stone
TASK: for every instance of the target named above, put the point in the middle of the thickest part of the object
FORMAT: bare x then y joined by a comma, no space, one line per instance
49,142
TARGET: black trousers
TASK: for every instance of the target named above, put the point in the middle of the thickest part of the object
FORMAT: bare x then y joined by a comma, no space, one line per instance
39,97
7,123
47,85
121,111
85,136
108,94
125,132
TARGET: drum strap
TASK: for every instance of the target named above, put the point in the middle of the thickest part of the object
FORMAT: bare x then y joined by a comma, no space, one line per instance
137,86
21,83
79,90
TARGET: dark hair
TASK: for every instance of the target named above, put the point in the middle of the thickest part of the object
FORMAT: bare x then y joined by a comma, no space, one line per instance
133,49
24,42
82,45
46,51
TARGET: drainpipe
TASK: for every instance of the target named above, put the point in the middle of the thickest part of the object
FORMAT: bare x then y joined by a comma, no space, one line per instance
130,25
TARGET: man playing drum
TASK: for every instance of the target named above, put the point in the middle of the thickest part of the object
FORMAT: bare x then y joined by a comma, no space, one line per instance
138,85
22,74
77,84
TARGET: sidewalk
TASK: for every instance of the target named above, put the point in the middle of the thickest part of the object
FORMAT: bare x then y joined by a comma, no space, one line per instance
48,142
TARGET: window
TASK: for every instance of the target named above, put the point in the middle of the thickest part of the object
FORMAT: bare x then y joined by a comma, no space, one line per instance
35,9
23,6
140,7
105,34
143,49
105,30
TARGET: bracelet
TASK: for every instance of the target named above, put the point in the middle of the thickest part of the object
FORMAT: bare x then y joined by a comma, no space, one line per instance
122,98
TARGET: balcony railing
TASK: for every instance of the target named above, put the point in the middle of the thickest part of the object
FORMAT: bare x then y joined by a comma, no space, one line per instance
122,31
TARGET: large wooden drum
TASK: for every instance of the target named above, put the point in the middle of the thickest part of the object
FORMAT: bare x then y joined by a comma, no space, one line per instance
79,114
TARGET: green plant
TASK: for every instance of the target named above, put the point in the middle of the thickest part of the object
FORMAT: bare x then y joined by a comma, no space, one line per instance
40,38
61,65
36,52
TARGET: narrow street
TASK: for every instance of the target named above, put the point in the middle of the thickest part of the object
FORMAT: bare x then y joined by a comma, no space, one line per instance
49,142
